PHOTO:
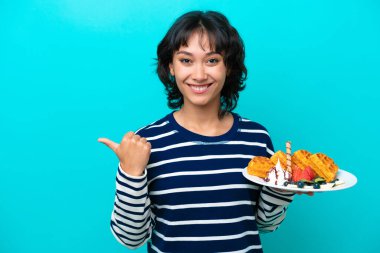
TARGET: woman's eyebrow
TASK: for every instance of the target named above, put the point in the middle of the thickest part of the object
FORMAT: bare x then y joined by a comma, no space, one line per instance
190,54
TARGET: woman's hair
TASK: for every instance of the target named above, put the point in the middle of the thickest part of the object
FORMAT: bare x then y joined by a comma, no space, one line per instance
223,39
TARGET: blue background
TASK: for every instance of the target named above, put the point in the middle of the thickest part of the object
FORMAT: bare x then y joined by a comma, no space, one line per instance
72,71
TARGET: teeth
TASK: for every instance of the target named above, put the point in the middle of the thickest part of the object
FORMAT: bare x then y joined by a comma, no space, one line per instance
199,88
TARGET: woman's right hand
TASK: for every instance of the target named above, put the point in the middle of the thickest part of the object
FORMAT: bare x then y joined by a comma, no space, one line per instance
133,153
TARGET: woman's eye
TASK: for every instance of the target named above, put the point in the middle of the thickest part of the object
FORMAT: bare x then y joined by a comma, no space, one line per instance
184,60
213,61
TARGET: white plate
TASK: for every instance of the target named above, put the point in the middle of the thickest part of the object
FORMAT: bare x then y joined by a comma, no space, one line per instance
343,176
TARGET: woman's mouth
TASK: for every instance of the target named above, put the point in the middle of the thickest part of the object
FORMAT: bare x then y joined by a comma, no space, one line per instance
199,88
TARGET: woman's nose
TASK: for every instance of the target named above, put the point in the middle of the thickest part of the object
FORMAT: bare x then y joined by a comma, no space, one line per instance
199,73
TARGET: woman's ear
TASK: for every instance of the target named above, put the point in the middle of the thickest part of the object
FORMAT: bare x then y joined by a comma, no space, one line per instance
228,72
171,69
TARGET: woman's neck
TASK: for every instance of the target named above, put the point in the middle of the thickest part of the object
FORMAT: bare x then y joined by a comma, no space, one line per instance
204,121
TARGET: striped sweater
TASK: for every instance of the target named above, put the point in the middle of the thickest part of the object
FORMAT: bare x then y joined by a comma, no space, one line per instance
193,196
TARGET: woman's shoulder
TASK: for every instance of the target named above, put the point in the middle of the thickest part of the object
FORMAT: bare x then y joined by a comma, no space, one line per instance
246,123
253,130
154,128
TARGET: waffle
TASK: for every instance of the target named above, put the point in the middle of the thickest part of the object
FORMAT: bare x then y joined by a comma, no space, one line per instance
300,158
279,155
259,166
324,166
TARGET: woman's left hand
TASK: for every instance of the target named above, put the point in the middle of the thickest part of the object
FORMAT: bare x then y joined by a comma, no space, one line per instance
308,193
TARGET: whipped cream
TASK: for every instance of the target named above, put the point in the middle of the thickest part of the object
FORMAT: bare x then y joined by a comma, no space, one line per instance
278,175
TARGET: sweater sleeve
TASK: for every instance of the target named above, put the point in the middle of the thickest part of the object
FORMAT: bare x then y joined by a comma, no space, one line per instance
272,208
131,215
272,203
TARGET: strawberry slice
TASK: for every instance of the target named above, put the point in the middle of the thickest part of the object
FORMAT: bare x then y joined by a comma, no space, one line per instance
296,173
308,174
305,174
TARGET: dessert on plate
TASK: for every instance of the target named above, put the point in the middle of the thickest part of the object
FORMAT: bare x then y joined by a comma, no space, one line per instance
278,175
300,170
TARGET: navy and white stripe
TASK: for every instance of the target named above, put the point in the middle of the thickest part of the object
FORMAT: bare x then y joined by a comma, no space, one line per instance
193,196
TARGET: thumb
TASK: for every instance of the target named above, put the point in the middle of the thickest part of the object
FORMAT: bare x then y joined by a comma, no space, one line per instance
112,145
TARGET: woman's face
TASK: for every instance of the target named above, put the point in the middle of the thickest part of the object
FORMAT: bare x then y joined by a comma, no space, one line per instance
199,72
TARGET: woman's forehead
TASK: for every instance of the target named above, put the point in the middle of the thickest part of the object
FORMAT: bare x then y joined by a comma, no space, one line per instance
199,39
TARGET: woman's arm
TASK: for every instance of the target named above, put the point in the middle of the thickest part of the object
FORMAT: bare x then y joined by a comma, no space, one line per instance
131,216
130,220
272,203
272,206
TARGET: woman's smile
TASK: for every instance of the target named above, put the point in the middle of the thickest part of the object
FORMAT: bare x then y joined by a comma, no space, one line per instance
199,88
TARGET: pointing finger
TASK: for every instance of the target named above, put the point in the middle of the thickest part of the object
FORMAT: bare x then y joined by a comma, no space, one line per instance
112,145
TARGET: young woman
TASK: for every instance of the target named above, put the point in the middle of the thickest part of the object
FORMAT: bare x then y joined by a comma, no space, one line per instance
179,184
